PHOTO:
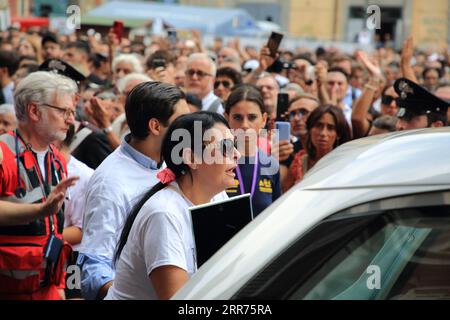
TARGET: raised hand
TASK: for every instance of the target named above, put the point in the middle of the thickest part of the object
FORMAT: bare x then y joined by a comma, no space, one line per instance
56,197
371,65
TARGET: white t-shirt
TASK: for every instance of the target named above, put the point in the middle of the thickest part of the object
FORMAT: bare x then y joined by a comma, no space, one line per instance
74,207
41,161
161,235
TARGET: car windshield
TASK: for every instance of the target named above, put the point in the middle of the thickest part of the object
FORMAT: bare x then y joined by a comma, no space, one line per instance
399,255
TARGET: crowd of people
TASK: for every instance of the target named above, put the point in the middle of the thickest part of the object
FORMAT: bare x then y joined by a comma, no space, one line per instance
88,128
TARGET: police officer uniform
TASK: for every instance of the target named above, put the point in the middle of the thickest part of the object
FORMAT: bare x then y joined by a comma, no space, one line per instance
415,101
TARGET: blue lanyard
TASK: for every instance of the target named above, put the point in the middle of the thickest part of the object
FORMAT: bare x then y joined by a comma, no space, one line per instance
254,178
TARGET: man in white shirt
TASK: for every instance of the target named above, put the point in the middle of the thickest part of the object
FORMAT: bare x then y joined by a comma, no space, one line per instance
122,179
200,76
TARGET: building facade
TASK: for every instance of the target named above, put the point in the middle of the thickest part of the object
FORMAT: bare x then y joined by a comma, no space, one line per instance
342,20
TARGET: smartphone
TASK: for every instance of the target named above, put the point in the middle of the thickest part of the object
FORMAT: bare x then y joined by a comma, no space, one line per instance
172,37
282,106
284,131
274,43
118,28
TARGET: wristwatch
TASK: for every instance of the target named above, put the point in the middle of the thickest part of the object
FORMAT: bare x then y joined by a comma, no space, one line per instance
107,130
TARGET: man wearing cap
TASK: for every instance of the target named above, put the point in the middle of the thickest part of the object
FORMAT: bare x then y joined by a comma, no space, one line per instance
51,47
419,108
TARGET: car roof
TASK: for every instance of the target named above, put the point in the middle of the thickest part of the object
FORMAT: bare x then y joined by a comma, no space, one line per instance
386,160
361,171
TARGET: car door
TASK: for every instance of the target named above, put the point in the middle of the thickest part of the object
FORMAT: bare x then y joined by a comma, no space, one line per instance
396,248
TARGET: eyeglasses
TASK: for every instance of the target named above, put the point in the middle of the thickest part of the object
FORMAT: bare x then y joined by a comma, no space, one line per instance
199,73
387,99
300,113
225,83
67,112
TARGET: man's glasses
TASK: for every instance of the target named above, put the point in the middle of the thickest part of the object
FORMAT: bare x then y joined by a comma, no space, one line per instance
225,83
300,113
387,99
199,73
67,112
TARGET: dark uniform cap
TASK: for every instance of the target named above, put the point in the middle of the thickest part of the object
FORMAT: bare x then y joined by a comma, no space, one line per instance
62,68
415,100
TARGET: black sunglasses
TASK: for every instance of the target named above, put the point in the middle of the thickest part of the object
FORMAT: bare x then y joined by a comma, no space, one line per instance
387,100
225,83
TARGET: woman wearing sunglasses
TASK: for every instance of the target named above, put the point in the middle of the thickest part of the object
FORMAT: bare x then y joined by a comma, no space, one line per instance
226,79
155,255
257,173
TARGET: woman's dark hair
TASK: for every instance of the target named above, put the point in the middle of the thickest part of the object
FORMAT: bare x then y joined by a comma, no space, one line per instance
245,92
150,100
343,131
230,73
185,122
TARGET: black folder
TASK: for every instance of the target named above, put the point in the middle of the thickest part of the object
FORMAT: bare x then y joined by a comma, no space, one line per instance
216,223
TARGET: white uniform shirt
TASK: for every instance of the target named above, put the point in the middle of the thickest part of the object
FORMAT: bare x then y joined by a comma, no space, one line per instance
161,235
75,204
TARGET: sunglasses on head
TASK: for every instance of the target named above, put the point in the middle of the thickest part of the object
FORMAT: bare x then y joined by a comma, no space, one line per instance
387,100
300,113
225,83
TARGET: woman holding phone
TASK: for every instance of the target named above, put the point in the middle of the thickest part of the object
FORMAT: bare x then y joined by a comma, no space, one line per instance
257,173
156,252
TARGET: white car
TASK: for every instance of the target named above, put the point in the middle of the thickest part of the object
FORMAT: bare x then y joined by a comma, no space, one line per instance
370,221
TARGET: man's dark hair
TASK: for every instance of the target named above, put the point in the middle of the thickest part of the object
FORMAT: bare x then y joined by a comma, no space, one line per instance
9,60
158,57
435,117
80,46
49,37
340,70
150,100
386,123
96,59
230,73
194,100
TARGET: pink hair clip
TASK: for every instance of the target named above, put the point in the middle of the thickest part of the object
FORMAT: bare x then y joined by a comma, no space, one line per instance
166,176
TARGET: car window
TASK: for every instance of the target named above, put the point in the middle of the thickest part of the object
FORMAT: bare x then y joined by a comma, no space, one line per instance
391,254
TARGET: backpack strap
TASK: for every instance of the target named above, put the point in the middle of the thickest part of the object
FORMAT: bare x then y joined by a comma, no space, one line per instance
80,136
